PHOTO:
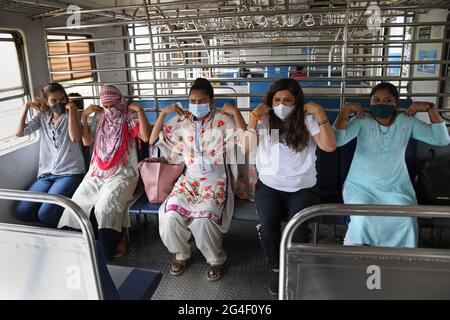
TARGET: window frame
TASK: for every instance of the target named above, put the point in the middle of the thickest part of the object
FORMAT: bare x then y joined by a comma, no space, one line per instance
18,41
66,36
92,78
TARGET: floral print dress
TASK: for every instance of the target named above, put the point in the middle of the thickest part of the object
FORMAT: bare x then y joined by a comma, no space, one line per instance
207,148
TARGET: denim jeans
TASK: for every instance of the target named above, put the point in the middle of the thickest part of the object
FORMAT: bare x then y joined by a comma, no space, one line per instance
49,214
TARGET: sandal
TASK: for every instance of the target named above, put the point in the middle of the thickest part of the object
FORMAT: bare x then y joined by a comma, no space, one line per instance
215,272
121,248
178,267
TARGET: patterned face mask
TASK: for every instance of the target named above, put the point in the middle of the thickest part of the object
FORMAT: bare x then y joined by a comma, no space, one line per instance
115,112
114,128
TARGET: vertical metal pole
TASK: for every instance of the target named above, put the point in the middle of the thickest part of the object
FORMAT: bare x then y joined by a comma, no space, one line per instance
412,56
330,55
50,77
443,69
136,62
344,53
69,59
152,53
126,46
315,232
403,53
445,73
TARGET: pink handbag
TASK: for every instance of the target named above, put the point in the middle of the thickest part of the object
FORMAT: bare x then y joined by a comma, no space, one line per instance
159,177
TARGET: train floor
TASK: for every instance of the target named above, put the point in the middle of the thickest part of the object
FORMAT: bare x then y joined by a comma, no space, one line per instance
246,275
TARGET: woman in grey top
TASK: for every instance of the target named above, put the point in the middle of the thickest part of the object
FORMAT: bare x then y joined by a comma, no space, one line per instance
61,163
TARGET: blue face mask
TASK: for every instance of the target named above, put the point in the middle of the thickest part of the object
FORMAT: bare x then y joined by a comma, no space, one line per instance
199,110
383,111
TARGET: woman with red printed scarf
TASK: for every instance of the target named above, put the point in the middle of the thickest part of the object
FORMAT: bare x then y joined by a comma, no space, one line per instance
109,185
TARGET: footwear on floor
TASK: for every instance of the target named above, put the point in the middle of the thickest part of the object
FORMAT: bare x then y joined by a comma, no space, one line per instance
178,267
215,272
121,249
274,281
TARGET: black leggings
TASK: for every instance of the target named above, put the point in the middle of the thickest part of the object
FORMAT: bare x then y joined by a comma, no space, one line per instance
273,207
109,238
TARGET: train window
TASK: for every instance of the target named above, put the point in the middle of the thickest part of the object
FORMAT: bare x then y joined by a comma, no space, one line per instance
397,52
13,89
59,61
69,70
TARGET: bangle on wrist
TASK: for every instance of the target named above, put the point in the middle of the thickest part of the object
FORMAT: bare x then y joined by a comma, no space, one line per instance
322,122
342,116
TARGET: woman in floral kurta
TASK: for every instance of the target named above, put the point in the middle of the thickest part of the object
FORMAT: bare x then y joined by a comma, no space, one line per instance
202,201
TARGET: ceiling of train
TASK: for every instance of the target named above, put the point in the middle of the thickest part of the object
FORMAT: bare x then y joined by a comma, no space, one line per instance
179,8
232,19
190,34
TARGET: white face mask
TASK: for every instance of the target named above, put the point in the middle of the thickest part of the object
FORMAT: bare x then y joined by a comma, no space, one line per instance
282,111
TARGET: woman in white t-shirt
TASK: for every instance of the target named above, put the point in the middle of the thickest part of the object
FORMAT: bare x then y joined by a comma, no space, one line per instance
286,132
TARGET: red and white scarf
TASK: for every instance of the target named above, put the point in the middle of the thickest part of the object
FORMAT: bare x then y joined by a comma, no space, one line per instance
115,126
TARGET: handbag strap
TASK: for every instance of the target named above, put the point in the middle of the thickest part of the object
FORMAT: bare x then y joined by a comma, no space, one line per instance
150,156
152,151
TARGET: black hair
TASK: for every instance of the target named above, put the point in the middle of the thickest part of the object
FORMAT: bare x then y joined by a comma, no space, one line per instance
293,131
78,102
203,85
387,87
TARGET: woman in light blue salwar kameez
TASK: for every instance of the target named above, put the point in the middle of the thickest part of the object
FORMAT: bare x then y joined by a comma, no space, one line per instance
378,173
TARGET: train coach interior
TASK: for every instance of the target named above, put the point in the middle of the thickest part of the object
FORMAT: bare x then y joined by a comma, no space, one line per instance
154,49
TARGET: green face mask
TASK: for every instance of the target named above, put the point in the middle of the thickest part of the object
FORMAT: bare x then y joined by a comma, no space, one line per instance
383,111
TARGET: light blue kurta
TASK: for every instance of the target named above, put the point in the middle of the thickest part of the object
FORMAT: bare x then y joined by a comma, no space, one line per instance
378,175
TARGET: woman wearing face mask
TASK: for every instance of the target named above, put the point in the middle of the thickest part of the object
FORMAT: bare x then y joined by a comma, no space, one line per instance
201,201
109,185
378,173
61,164
286,132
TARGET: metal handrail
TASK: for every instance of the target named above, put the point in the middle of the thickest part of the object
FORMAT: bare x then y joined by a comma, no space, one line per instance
323,95
243,13
73,209
265,45
265,80
349,209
